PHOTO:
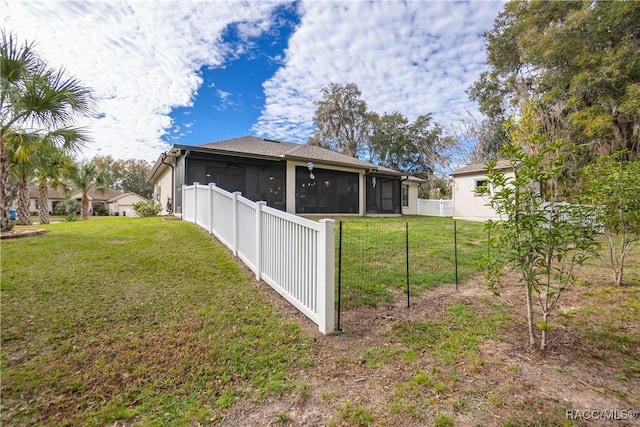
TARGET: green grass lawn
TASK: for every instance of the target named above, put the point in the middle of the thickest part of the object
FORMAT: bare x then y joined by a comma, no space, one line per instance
134,319
143,321
374,255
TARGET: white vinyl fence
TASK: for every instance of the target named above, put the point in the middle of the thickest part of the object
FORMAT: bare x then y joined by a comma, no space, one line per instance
294,255
431,207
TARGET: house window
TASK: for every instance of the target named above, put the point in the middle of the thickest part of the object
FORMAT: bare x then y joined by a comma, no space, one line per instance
481,184
405,196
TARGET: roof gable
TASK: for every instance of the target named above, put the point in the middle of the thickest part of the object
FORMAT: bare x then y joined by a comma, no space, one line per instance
123,195
479,168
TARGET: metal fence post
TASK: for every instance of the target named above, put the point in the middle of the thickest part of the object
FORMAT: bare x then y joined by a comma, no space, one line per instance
455,249
407,251
339,328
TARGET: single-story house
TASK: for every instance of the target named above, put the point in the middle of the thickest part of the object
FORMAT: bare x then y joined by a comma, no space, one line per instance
54,196
122,204
467,204
116,202
296,178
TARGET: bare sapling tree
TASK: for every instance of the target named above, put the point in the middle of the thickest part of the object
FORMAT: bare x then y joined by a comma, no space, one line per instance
611,184
542,238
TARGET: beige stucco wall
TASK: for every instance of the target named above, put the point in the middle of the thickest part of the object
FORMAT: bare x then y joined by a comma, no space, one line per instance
163,184
124,205
466,204
412,209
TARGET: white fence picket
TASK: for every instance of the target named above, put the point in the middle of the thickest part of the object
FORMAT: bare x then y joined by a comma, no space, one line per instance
294,255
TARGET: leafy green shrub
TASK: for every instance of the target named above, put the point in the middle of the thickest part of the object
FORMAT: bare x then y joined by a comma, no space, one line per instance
68,209
612,183
144,208
59,209
101,211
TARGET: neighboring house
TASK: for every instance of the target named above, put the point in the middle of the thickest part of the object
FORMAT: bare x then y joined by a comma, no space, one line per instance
55,197
122,204
116,202
296,178
96,198
466,203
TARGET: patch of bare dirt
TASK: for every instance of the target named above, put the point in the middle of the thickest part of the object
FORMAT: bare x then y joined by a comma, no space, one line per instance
507,384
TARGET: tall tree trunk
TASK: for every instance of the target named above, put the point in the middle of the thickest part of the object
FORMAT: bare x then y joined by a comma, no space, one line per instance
5,190
84,210
24,216
43,202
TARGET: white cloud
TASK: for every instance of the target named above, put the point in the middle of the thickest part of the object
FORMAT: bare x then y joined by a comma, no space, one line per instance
142,58
414,57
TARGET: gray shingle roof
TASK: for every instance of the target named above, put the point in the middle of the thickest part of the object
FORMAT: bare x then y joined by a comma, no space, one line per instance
288,150
54,194
481,167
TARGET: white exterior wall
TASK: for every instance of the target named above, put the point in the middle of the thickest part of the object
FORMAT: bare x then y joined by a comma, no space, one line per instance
412,209
291,183
163,182
466,204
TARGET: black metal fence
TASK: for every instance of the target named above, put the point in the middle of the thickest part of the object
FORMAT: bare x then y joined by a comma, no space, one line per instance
375,255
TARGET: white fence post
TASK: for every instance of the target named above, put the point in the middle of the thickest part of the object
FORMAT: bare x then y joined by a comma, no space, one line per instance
235,222
259,206
211,215
326,276
195,202
183,200
441,207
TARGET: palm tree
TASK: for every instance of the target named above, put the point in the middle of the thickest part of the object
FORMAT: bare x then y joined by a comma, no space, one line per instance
50,164
84,178
22,174
19,149
38,101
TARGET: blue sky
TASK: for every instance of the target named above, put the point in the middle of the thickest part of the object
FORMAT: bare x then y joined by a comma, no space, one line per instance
230,99
194,72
